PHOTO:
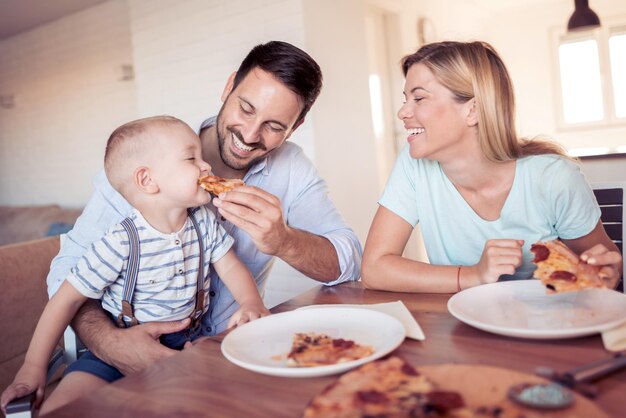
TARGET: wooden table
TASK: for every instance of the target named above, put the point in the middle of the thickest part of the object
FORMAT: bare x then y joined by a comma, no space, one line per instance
200,382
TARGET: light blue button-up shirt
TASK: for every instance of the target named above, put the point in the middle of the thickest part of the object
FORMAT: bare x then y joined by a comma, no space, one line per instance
286,173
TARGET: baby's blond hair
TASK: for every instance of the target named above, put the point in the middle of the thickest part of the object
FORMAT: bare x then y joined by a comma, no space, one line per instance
129,146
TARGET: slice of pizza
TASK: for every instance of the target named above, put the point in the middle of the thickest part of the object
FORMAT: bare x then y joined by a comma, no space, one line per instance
561,270
383,388
393,388
217,185
312,349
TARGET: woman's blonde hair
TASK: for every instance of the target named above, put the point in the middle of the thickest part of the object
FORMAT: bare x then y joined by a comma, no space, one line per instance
474,70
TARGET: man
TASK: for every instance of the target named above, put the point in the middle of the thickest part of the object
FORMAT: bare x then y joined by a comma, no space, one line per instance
283,211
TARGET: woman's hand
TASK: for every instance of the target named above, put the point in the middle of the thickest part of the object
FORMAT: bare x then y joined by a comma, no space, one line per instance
597,249
610,263
500,256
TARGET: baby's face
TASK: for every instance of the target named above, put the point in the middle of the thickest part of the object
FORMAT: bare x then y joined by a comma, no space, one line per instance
179,166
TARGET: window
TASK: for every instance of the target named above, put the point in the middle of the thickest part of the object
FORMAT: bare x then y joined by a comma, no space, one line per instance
592,76
617,52
581,83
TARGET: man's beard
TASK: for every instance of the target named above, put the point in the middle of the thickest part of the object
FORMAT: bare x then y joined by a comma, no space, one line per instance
233,162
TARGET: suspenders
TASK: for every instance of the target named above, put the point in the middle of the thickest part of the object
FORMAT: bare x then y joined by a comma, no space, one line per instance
132,271
130,279
199,308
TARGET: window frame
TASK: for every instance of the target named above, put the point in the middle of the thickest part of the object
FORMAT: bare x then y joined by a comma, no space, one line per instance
601,35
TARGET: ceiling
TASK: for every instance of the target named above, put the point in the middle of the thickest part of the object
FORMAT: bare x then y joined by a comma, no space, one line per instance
21,15
18,16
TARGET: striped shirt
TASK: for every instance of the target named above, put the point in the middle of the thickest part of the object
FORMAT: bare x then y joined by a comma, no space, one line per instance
168,267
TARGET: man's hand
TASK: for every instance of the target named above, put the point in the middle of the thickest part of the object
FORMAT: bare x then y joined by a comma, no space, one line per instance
259,214
136,348
127,349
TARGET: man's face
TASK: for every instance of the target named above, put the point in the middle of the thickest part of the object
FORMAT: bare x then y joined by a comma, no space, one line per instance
256,118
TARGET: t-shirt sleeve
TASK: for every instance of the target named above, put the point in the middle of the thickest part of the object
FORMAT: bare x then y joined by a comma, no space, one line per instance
217,239
399,195
99,267
574,205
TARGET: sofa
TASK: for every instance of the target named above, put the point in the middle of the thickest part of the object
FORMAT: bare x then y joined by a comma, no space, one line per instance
25,223
23,285
28,242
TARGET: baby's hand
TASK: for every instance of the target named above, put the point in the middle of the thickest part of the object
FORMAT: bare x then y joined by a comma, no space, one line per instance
29,379
247,313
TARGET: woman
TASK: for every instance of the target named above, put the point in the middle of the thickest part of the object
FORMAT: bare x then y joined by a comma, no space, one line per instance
481,194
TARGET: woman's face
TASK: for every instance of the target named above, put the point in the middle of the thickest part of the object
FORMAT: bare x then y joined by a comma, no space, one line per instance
435,123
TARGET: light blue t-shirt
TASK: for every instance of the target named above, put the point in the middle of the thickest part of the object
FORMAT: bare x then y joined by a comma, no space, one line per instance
550,198
286,173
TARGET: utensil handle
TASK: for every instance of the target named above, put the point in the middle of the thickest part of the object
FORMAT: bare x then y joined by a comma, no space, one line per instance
586,389
598,369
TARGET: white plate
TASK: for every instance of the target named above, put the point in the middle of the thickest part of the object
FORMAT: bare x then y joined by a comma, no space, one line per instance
262,345
523,309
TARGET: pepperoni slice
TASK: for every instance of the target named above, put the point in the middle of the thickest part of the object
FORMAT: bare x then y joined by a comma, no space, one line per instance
372,396
409,370
443,401
563,275
541,252
341,343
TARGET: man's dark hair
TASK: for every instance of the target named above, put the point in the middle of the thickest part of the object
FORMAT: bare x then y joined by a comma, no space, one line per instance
290,65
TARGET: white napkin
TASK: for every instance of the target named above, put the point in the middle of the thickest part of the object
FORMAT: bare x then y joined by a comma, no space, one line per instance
614,339
396,309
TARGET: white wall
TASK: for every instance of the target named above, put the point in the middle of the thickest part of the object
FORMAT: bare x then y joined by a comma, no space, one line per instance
64,77
184,51
68,96
344,139
605,169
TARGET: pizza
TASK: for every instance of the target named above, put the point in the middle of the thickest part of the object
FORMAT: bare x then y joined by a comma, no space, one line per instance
561,270
393,388
217,185
312,349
